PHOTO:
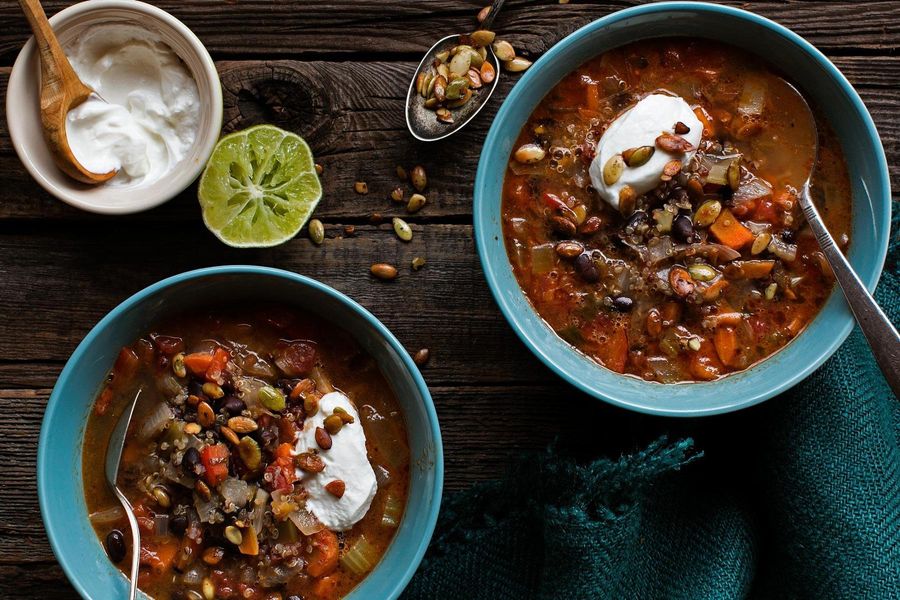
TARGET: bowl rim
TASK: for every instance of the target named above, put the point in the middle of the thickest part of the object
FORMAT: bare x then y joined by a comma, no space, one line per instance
206,138
45,485
485,230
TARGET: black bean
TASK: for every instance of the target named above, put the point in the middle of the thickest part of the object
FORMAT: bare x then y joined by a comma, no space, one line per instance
195,387
683,229
638,222
190,461
622,303
789,236
585,266
178,524
233,405
115,546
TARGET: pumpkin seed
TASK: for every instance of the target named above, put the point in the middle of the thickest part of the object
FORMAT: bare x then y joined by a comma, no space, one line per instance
229,435
402,229
483,13
734,174
707,214
483,37
701,272
361,187
613,169
487,72
323,438
770,290
694,343
428,90
421,356
460,63
242,424
202,490
336,488
319,169
316,232
467,95
162,497
580,213
250,453
431,104
384,271
442,56
333,424
444,115
474,78
311,404
760,243
397,195
192,428
205,415
627,197
401,173
272,398
178,365
415,204
234,535
517,64
459,48
529,153
420,80
503,50
213,390
457,87
635,157
444,71
419,178
417,263
482,53
346,417
209,589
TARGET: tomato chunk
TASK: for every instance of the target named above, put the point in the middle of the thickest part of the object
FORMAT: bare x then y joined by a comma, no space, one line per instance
215,461
324,557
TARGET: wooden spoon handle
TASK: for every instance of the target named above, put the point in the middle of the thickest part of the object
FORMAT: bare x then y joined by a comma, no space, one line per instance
56,72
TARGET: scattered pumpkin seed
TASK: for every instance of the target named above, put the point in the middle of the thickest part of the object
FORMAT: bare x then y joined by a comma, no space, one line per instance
323,438
415,204
694,343
635,157
474,76
401,173
457,87
213,390
234,535
162,497
734,174
627,198
770,290
483,37
272,398
517,64
417,263
613,169
482,53
444,115
319,169
431,104
460,64
503,50
420,83
229,435
361,187
442,56
402,229
760,243
192,428
421,356
530,153
205,415
202,490
384,271
707,214
467,95
250,453
483,13
209,589
333,424
242,424
444,71
397,194
178,365
316,232
336,488
487,72
701,272
419,178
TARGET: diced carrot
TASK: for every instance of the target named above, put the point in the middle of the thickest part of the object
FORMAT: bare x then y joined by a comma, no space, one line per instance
704,118
671,313
284,451
731,232
215,461
705,363
324,557
326,588
592,97
159,556
714,290
217,366
613,353
249,544
725,340
303,387
198,362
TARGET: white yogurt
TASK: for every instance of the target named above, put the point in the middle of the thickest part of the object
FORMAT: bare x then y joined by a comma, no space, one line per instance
151,114
640,126
346,460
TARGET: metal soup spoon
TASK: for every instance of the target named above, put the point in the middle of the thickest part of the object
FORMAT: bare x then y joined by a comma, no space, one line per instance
423,123
113,457
879,332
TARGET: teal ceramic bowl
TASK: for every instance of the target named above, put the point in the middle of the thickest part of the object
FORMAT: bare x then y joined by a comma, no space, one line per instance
822,84
59,465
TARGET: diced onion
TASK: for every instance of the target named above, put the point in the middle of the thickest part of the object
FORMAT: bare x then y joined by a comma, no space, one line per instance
306,522
155,422
360,558
161,525
752,188
543,258
109,515
753,97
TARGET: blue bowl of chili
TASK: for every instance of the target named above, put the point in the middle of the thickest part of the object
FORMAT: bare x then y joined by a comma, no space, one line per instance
821,83
59,464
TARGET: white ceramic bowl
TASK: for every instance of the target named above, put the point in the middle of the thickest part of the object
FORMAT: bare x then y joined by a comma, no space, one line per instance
23,116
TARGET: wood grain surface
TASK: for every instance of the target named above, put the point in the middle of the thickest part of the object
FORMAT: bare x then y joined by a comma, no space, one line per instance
336,72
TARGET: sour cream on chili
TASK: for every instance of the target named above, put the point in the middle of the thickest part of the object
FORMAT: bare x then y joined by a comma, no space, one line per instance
640,126
346,460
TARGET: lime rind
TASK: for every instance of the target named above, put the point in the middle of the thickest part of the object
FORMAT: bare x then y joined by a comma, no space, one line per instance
259,187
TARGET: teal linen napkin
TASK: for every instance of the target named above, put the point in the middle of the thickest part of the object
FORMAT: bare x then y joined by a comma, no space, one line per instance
796,498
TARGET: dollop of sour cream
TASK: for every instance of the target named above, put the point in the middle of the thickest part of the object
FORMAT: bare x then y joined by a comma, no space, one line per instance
640,126
346,460
147,115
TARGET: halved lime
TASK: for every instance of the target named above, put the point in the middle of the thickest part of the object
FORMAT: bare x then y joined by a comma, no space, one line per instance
259,187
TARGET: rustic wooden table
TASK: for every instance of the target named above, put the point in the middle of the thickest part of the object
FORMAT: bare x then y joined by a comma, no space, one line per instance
336,72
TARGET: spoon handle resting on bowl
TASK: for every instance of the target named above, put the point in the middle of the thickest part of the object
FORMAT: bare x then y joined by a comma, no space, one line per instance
879,332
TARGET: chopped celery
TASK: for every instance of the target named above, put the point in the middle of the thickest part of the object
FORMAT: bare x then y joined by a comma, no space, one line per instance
543,258
393,510
360,558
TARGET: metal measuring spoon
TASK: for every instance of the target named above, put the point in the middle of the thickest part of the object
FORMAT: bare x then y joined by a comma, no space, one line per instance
113,456
879,332
423,123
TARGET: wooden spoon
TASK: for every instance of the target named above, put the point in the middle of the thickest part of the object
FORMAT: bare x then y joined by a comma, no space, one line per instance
61,91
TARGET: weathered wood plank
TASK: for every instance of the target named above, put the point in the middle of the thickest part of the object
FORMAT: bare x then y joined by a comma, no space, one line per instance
371,27
352,116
